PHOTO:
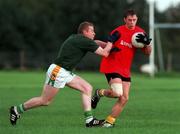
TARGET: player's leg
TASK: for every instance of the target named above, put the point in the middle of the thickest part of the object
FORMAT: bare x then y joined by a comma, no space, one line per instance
44,100
46,97
49,91
86,89
100,93
118,106
115,90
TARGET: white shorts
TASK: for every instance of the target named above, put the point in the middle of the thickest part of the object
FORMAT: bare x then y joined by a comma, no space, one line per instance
57,76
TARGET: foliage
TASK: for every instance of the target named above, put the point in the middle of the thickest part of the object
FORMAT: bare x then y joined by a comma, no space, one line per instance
37,28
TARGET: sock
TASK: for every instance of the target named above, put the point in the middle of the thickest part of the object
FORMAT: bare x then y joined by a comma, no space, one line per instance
101,92
20,109
110,119
88,116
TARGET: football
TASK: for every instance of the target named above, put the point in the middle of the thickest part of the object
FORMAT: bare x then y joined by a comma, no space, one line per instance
134,42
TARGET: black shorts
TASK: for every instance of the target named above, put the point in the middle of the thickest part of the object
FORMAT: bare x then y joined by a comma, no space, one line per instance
110,76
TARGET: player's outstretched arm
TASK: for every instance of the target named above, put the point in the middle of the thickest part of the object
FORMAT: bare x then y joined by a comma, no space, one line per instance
101,43
104,51
110,40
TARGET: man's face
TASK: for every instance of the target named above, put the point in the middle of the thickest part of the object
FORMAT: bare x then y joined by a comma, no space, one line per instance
89,32
130,21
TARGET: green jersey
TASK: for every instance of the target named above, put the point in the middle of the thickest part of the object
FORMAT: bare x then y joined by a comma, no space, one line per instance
73,50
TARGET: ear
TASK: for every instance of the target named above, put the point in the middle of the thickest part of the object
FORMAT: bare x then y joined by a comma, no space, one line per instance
84,32
125,20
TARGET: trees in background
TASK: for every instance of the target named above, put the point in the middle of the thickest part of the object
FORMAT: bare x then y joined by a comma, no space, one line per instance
32,31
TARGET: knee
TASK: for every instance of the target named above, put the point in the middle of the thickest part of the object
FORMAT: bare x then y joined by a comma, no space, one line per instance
45,102
124,99
117,89
88,89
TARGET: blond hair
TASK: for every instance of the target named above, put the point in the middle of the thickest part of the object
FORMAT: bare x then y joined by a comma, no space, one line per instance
83,26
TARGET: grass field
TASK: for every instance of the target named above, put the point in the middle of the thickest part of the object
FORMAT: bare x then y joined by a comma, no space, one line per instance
153,107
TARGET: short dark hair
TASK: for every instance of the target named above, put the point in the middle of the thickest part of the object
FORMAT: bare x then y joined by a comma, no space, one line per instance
84,25
129,12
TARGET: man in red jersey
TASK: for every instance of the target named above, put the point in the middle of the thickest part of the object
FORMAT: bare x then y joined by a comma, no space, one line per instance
116,66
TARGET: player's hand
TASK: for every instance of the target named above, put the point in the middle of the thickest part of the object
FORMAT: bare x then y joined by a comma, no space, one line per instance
143,38
114,37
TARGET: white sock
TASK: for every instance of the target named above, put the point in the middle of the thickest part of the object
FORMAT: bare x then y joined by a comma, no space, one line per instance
89,119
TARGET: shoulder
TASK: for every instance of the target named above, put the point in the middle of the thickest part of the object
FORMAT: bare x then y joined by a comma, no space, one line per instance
79,38
119,28
83,42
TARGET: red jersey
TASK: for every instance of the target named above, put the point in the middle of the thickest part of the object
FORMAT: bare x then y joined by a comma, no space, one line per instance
120,62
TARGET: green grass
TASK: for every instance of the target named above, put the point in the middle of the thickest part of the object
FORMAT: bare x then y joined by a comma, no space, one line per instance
153,107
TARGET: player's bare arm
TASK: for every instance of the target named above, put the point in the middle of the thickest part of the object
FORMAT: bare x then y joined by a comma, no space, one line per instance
111,40
104,51
101,43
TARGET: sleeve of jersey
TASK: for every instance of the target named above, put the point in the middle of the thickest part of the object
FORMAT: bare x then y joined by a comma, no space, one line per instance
89,45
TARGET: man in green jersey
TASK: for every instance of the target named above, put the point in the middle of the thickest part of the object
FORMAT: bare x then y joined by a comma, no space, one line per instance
59,73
